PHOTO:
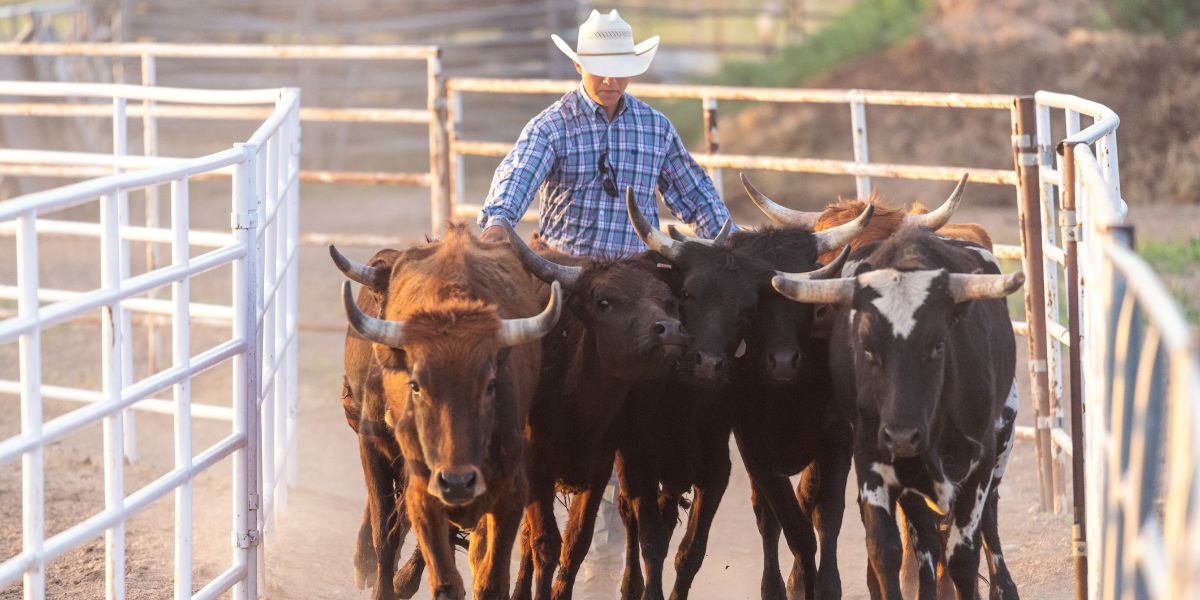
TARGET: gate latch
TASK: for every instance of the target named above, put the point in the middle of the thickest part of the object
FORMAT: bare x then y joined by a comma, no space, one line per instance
250,539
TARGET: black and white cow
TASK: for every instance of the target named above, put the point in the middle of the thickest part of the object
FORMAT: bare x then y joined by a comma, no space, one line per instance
923,348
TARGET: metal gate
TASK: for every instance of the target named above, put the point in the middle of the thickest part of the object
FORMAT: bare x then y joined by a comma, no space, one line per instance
259,321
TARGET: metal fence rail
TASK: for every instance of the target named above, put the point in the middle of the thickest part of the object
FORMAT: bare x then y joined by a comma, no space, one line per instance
261,250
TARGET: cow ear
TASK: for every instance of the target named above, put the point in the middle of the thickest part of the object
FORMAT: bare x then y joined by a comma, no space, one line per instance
391,358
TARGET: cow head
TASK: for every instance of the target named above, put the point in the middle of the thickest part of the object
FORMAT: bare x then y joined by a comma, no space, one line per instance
442,372
626,306
719,291
897,324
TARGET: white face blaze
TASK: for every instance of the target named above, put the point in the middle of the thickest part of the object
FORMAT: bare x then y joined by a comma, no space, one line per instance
901,293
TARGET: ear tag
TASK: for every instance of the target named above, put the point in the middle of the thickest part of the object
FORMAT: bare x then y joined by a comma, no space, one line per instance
664,266
741,350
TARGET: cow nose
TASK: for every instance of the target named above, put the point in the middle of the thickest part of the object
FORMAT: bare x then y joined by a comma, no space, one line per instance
901,441
783,364
707,366
457,486
670,331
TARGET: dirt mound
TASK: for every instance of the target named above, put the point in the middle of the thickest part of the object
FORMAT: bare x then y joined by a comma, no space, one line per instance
1010,47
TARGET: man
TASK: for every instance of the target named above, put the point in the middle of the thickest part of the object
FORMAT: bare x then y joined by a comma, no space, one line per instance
590,145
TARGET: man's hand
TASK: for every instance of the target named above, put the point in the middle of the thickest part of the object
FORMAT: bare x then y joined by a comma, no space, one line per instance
495,233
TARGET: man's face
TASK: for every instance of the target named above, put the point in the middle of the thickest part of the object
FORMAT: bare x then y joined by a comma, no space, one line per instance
606,91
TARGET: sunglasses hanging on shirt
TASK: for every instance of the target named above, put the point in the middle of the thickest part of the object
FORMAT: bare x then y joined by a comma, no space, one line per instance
610,186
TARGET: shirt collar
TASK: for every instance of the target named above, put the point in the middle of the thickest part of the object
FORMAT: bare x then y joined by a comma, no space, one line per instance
590,106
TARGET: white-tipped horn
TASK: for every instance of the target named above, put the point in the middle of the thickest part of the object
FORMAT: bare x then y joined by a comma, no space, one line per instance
721,238
799,287
836,237
539,266
357,272
380,331
833,269
651,236
965,287
937,218
520,331
776,212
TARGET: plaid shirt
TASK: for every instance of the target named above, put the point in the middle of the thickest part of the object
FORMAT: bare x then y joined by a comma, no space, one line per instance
562,146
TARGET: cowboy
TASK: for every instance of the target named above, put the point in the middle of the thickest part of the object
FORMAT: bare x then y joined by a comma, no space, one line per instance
592,144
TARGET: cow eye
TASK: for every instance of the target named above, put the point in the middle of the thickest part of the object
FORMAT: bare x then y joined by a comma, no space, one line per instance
414,386
936,350
872,357
491,386
603,303
684,296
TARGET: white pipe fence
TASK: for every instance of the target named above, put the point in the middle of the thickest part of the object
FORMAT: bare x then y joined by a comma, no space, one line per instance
262,251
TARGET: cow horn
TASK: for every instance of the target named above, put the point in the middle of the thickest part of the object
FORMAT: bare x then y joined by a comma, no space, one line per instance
721,239
936,219
801,288
520,331
776,212
833,269
357,272
651,236
539,266
836,237
380,331
964,288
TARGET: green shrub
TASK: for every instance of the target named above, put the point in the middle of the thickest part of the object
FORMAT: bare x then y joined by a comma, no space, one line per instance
1168,17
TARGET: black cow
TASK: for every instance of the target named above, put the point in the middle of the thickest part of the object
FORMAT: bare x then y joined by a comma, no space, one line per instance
924,349
680,441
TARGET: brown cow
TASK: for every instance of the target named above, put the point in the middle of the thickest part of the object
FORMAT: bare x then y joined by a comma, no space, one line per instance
457,373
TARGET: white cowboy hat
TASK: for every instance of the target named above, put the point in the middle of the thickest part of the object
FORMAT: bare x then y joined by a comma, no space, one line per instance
606,47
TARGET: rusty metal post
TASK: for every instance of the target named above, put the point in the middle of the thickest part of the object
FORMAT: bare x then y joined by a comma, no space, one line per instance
1070,233
712,142
1029,212
439,168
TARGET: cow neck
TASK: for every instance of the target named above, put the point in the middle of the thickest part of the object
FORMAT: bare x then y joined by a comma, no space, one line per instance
594,393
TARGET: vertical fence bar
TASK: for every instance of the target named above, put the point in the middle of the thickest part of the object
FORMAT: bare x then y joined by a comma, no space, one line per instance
712,141
457,168
246,535
153,219
1070,240
858,127
439,168
294,131
181,358
282,319
269,267
1182,507
121,148
1049,216
111,361
1029,215
261,250
33,473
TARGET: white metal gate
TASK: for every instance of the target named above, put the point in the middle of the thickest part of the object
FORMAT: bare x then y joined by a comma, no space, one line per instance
261,248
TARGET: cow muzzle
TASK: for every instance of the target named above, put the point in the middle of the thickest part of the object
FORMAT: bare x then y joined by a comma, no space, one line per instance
783,365
670,335
708,367
457,486
901,442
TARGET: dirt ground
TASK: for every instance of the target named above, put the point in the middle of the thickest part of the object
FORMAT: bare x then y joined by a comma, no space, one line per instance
309,548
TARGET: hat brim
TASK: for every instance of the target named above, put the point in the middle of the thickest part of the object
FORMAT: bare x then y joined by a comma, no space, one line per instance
619,65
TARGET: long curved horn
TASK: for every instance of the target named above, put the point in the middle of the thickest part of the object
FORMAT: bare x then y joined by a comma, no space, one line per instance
833,269
369,276
799,287
836,237
721,238
938,217
520,331
539,266
776,212
965,287
651,236
380,331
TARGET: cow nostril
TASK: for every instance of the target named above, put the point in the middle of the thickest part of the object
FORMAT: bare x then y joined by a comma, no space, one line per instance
719,364
795,359
699,359
659,329
449,481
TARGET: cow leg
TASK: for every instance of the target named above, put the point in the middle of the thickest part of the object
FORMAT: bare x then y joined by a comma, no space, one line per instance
824,498
1002,585
877,503
797,530
364,552
492,575
771,586
408,577
925,541
523,586
652,532
704,508
632,584
962,548
381,506
433,536
580,528
544,538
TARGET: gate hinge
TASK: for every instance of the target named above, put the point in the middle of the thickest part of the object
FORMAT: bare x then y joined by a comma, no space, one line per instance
250,539
1070,226
1027,159
246,220
252,502
1021,141
1045,422
1079,549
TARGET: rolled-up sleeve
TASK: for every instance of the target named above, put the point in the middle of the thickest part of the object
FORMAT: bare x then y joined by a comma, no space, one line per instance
688,190
518,178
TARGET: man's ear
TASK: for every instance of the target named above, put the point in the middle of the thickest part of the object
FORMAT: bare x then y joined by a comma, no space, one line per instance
579,68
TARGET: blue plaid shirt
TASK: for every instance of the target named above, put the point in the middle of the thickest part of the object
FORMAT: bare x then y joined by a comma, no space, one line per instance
561,147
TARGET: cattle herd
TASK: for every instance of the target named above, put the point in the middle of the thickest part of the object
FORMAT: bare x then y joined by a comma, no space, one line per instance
484,379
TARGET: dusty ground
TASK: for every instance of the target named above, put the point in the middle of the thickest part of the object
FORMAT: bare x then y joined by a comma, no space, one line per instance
309,553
